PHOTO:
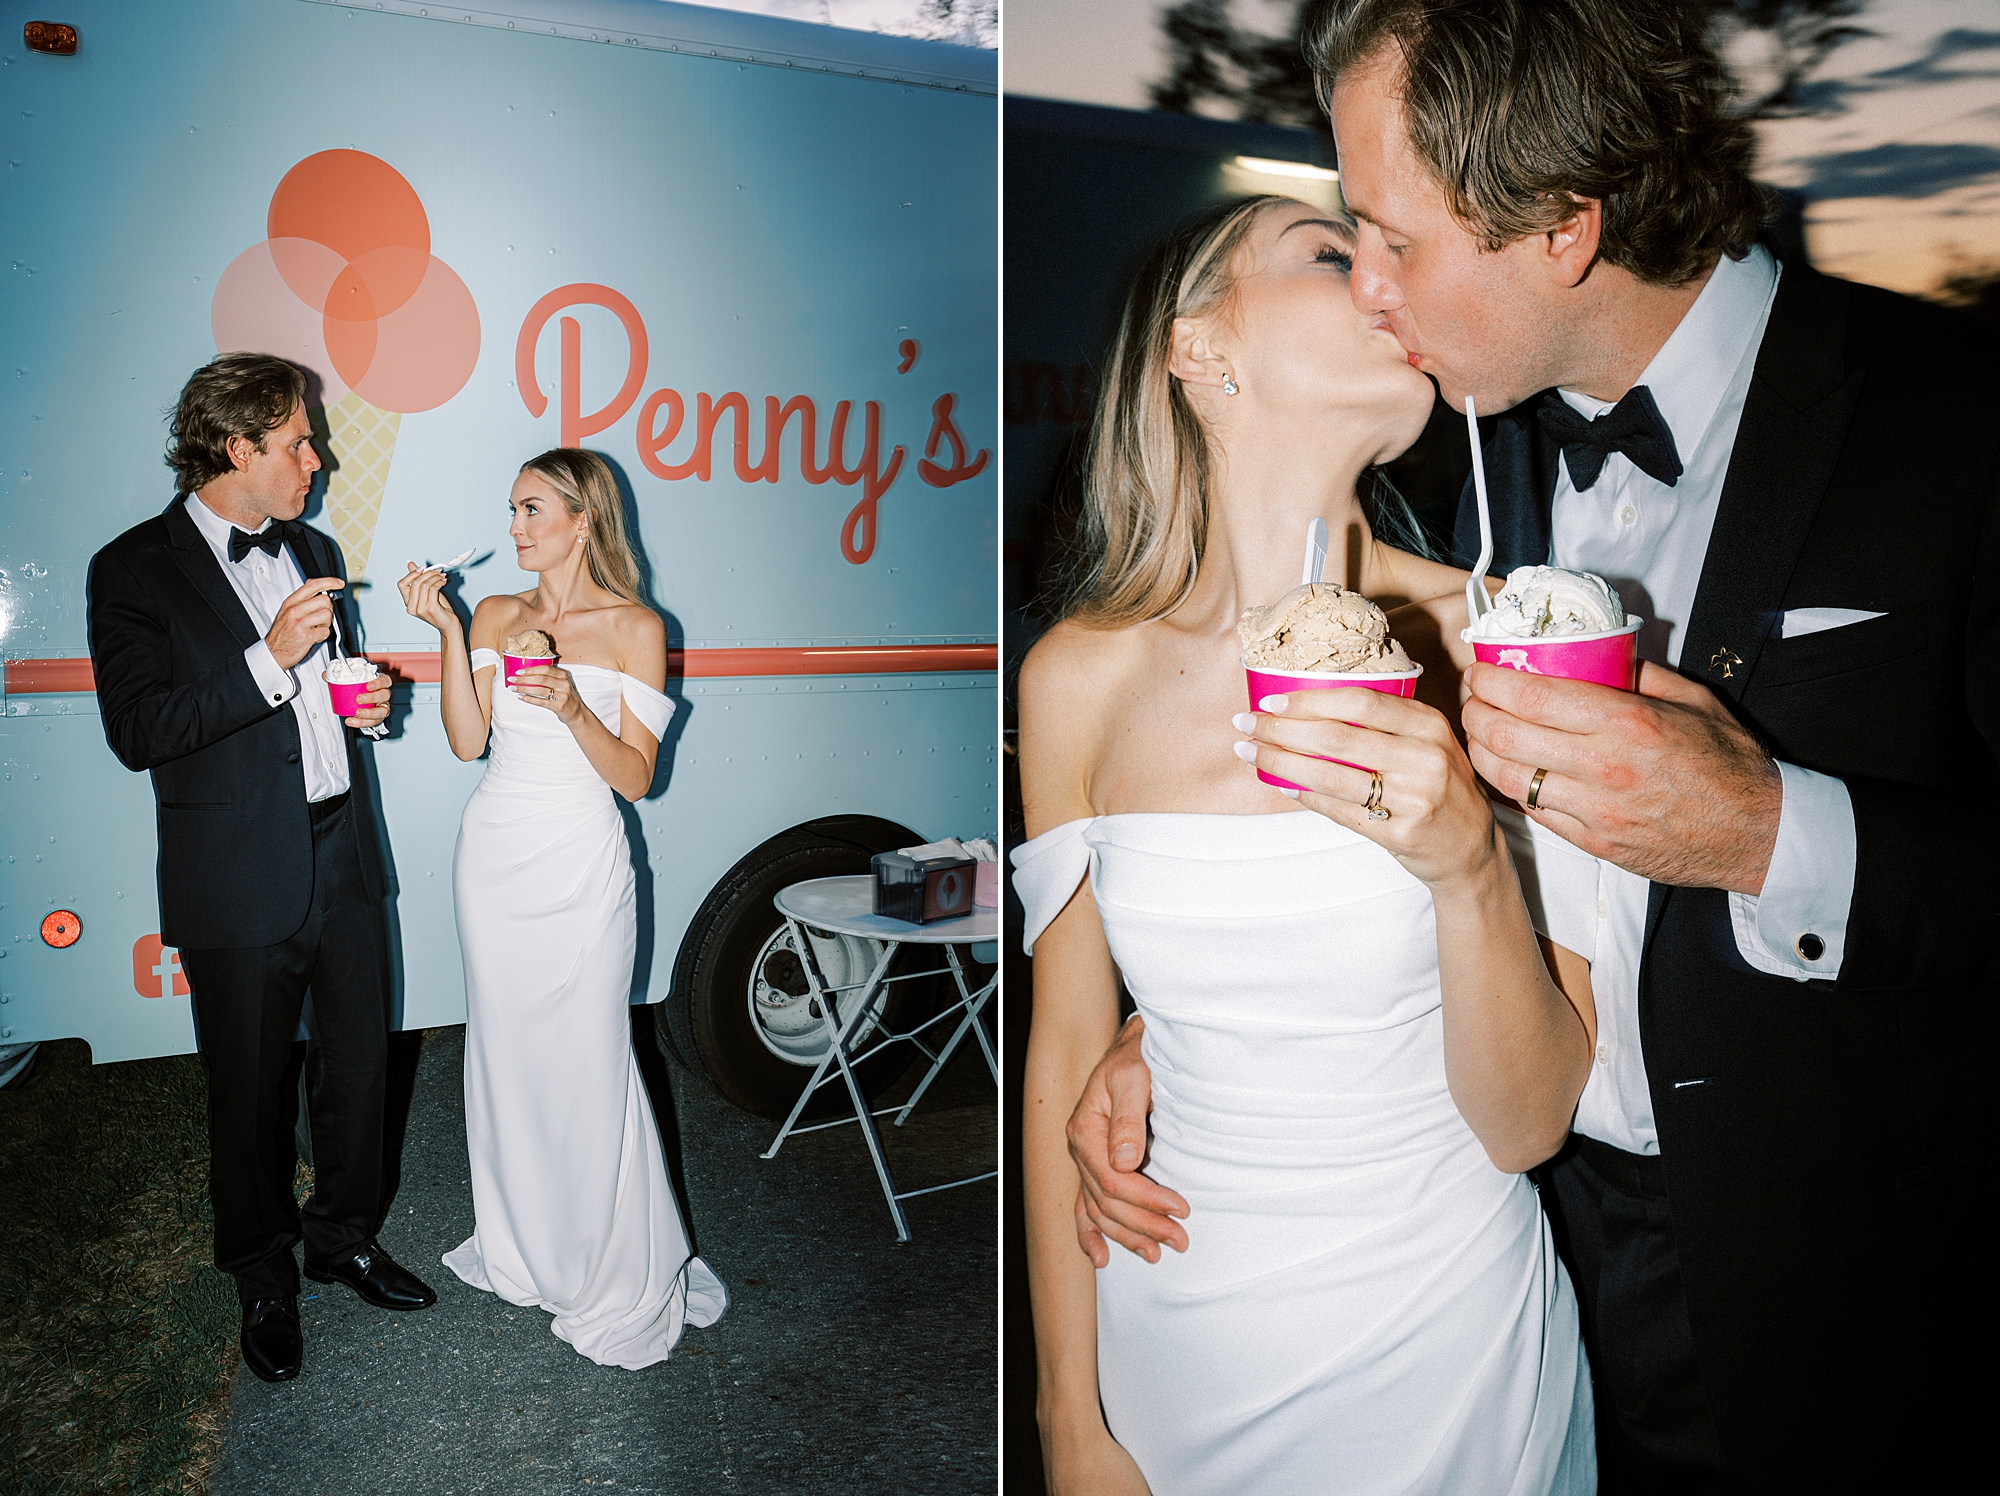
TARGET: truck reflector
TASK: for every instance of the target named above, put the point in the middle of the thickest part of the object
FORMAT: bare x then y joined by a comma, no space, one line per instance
50,36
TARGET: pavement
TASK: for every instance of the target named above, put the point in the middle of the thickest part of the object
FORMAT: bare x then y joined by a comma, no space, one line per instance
846,1362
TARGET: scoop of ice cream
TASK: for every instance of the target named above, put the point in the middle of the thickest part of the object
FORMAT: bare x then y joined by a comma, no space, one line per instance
1321,626
531,644
351,671
1547,602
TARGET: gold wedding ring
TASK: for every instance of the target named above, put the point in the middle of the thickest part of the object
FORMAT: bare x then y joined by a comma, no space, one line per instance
1535,789
1376,810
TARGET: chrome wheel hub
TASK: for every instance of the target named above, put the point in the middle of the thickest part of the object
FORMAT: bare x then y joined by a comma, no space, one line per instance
786,1014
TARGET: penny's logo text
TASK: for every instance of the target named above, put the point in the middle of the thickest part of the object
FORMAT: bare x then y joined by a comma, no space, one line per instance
677,443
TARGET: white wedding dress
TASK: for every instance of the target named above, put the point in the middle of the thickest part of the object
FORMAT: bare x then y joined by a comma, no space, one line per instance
1366,1305
573,1210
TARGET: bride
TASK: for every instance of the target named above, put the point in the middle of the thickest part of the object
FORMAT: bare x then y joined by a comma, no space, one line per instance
573,1210
1356,1043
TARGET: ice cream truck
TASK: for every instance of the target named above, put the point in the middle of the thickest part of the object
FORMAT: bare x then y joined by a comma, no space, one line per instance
749,261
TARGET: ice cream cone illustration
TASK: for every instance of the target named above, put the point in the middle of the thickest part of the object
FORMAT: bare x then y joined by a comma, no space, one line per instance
363,439
346,286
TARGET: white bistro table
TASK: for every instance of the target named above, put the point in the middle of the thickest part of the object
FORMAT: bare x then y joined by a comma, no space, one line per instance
845,906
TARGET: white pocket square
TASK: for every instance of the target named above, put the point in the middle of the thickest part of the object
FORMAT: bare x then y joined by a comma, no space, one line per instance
1816,620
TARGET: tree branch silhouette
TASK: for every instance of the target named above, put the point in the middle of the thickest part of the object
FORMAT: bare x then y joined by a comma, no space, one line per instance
1218,67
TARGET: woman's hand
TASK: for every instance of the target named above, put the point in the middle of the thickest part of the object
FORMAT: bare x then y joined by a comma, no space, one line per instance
1437,822
551,687
1519,1026
423,596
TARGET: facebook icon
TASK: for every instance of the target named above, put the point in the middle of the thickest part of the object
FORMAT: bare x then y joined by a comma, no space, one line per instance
156,969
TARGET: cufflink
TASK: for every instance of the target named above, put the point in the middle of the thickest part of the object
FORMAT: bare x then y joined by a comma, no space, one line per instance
1810,947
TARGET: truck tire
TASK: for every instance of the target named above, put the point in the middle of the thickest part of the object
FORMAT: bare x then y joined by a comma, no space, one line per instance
747,1015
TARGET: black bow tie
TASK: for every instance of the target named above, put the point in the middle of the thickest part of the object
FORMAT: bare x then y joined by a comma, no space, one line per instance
1633,426
270,540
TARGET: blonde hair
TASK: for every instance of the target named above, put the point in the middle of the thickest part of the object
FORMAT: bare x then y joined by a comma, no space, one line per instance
1144,523
584,481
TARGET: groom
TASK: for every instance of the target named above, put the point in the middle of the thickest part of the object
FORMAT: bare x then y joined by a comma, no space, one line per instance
1777,1201
208,632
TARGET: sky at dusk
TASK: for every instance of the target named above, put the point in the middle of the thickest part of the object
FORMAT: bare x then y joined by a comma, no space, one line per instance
1901,173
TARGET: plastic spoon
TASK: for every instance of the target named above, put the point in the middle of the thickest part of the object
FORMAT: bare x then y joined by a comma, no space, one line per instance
453,564
1315,567
379,730
1477,603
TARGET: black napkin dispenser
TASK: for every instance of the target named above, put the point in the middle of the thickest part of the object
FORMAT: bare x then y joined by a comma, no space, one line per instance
922,889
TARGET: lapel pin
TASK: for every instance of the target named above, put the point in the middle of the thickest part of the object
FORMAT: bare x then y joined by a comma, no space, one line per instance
1727,658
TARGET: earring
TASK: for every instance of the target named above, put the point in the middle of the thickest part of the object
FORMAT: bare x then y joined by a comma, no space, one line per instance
1229,384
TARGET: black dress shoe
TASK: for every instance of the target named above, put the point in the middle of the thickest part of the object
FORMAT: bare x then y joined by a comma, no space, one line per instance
372,1274
272,1344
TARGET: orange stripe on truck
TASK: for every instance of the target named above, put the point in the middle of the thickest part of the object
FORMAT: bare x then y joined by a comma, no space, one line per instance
26,677
48,677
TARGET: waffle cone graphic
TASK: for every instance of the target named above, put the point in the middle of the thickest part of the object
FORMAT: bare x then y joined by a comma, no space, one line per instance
363,442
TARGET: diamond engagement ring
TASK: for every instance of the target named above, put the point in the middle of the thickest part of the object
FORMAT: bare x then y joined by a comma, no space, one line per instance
1377,811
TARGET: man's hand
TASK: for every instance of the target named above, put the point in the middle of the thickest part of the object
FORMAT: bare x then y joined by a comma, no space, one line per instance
1664,782
374,703
1107,1138
304,620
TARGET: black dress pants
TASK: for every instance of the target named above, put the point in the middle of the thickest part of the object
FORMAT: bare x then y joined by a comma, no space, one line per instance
247,1005
1655,1431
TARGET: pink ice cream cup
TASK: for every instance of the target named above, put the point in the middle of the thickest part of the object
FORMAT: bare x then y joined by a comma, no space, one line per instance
1607,659
986,885
347,694
514,664
1280,682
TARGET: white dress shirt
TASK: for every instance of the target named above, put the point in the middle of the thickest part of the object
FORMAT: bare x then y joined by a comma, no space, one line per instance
1649,541
263,583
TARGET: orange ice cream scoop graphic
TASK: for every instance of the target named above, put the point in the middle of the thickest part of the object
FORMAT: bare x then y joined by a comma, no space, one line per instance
345,285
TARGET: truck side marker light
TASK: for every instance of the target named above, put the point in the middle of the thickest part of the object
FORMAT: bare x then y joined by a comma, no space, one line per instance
62,929
52,37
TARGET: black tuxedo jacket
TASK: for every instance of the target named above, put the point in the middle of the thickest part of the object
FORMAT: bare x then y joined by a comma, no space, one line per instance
1829,1145
167,635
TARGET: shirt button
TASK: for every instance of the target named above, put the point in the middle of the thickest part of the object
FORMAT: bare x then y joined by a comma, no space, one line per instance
1811,947
315,716
1604,1054
1628,516
1603,909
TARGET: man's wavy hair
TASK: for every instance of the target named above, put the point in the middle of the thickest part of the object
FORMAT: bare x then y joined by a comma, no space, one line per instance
238,394
1516,106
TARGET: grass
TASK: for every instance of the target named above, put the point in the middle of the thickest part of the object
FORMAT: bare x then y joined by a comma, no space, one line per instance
117,1336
